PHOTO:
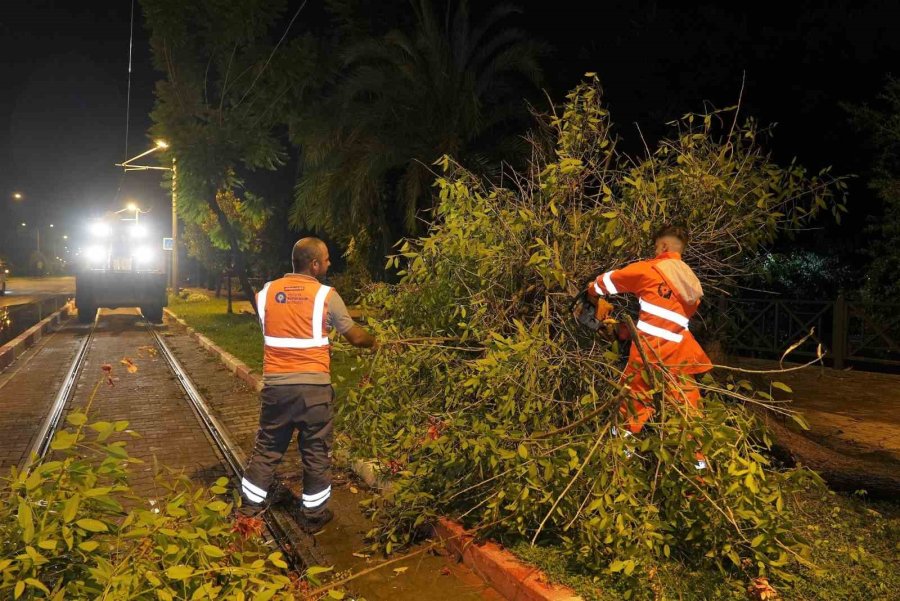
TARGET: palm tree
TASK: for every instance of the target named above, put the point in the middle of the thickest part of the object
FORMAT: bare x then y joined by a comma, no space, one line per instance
399,103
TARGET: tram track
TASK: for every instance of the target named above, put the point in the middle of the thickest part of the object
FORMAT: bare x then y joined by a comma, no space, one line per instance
300,549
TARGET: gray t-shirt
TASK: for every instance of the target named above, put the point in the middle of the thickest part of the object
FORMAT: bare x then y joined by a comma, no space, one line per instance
337,319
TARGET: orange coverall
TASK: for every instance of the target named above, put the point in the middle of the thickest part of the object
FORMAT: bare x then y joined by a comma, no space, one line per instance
669,295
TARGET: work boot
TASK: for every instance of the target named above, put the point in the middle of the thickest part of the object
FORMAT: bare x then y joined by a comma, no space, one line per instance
312,523
250,510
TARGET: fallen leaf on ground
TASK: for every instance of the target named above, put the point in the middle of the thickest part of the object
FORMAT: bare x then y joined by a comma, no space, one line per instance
761,590
399,571
362,555
354,490
445,571
129,365
247,526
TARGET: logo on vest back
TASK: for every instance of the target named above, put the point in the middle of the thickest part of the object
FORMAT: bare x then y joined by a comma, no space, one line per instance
281,297
664,291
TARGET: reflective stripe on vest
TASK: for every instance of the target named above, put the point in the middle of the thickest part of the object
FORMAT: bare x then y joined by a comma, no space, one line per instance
261,305
319,339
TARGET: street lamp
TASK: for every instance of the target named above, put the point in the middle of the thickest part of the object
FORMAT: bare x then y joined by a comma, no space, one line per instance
129,165
17,196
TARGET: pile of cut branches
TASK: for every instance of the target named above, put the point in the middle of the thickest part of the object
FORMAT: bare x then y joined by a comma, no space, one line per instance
497,408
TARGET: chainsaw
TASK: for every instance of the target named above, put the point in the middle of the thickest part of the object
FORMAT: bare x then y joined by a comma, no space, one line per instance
596,317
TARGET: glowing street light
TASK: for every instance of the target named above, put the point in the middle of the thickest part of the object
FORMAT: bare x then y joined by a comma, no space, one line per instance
51,225
18,195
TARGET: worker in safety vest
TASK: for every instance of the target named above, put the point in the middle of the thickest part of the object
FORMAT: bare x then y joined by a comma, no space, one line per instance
669,294
296,313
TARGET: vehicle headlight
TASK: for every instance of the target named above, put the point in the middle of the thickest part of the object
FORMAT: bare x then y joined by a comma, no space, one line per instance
100,229
95,254
138,232
144,255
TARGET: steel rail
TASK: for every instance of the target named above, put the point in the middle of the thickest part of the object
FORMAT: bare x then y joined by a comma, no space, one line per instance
41,443
299,547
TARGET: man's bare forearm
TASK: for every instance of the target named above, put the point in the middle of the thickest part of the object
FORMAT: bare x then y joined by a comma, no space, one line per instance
360,338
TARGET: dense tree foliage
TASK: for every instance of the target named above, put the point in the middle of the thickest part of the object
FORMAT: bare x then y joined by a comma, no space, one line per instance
224,93
882,123
450,84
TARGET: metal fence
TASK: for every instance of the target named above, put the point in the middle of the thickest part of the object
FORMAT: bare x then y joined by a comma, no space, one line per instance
850,331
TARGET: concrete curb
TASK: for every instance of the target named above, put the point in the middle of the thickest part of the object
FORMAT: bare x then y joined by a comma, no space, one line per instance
234,365
508,575
13,349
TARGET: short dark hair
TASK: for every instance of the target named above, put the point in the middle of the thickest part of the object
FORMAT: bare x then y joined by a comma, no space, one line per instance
675,231
306,250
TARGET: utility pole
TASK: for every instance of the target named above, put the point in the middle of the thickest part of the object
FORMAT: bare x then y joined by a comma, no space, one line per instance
174,227
129,165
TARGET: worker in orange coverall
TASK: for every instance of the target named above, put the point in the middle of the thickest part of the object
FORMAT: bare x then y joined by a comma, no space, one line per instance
669,294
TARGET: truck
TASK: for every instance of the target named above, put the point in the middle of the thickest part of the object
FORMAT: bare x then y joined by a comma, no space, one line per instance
121,266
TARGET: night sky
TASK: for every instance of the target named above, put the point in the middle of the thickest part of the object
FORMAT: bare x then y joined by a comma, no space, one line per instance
64,72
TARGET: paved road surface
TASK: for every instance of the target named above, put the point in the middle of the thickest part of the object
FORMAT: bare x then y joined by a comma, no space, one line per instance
853,412
27,290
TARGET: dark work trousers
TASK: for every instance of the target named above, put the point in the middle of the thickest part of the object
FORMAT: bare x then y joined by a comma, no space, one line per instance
308,409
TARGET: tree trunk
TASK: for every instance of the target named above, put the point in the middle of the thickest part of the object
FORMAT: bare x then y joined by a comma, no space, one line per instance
239,264
878,476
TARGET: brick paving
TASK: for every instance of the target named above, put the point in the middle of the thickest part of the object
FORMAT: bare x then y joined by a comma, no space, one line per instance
28,387
152,402
429,577
229,399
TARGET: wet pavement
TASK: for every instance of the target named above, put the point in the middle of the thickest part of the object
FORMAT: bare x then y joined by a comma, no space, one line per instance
28,290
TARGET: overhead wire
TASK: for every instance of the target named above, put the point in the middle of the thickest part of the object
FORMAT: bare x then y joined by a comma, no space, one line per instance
127,101
274,50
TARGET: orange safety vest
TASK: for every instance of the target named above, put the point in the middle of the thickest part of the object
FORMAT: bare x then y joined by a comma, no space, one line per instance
669,294
292,312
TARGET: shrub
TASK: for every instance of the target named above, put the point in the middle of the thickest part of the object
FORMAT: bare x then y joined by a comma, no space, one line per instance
491,405
72,528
